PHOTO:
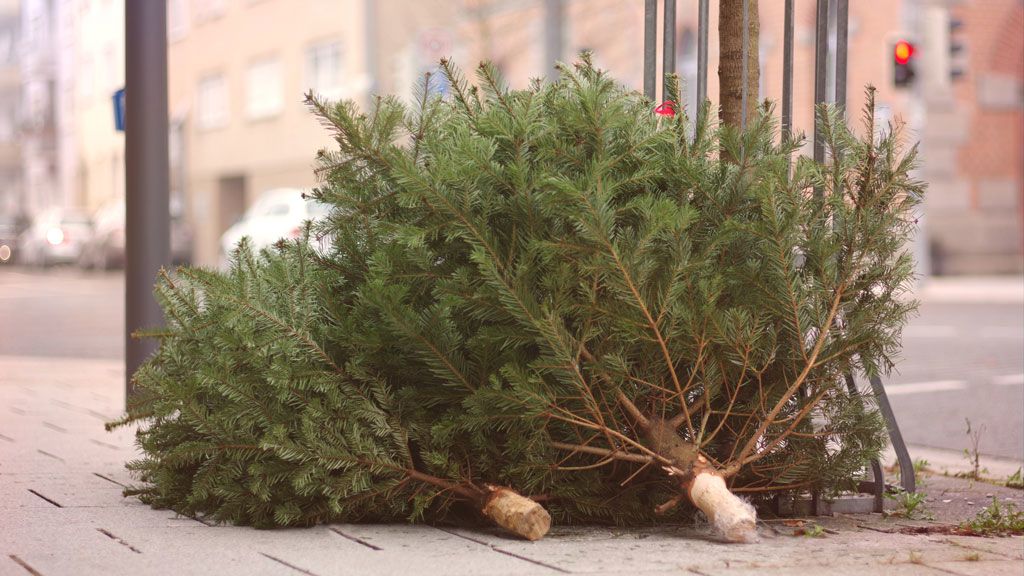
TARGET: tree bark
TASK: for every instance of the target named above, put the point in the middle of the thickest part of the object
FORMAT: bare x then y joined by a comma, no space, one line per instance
730,67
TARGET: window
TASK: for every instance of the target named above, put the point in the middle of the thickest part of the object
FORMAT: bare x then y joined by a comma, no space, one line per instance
324,69
207,10
263,89
86,78
177,19
213,102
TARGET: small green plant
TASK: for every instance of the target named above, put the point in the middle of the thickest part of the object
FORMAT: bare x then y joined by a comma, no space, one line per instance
972,454
1015,481
997,520
814,531
911,503
920,466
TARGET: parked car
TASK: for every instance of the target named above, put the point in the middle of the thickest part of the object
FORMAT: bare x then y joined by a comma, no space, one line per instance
105,247
55,236
276,214
10,228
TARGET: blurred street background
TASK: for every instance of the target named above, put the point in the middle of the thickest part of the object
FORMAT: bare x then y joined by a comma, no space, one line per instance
963,356
242,146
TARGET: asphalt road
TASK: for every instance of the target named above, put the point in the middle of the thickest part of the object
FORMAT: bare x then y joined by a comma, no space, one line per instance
962,361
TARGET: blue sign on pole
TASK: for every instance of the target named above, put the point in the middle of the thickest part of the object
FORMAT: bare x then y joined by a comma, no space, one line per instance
119,110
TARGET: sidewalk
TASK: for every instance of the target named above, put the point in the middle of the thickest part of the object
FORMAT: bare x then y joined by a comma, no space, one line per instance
61,513
1006,289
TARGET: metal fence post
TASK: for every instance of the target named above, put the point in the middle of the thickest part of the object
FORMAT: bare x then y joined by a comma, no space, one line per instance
650,46
554,26
702,54
668,52
787,73
842,50
147,226
820,74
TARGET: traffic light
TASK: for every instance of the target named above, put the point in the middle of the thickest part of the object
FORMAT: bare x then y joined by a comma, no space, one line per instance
956,49
903,64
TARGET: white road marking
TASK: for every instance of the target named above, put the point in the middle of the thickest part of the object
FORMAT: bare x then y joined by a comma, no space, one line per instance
920,387
926,331
1009,380
1002,332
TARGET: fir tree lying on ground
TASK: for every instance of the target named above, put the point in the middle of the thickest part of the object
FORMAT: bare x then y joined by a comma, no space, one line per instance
547,289
258,414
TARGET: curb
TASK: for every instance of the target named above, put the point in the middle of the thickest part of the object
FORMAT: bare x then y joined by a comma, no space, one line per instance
952,462
971,289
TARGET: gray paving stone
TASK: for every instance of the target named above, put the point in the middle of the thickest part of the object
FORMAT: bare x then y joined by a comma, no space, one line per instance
70,490
980,568
59,407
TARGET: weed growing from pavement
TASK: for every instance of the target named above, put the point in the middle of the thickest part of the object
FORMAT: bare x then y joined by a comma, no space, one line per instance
814,531
1015,481
996,520
912,505
972,454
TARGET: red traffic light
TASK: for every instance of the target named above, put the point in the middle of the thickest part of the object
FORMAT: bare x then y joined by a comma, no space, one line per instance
903,51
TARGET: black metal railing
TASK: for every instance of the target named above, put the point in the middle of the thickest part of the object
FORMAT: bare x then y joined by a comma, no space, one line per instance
826,10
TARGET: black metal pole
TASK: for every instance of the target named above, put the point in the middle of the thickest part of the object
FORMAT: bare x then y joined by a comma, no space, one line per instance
668,55
842,50
650,46
554,26
820,73
702,54
787,73
147,226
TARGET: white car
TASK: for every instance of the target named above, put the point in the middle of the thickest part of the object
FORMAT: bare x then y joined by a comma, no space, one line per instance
276,214
55,237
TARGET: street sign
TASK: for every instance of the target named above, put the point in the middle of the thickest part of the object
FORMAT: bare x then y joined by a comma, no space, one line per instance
119,110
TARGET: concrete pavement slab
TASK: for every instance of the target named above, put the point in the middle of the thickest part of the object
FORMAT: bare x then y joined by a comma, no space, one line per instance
53,444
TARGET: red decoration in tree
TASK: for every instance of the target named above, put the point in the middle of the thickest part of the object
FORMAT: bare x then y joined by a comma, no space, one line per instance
666,108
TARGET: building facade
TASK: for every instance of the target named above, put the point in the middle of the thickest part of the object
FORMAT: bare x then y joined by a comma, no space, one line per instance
10,105
239,68
97,56
38,115
973,134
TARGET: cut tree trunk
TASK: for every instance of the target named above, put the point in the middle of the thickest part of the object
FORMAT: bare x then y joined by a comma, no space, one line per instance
515,513
733,519
730,67
501,505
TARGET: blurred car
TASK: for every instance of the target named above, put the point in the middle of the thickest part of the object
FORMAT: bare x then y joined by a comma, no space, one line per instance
181,235
55,236
105,247
10,228
276,214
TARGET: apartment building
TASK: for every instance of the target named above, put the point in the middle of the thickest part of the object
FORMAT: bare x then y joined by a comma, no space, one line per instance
238,69
10,104
38,111
97,54
973,135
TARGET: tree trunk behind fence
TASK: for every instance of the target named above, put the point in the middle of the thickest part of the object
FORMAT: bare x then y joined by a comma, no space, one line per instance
730,67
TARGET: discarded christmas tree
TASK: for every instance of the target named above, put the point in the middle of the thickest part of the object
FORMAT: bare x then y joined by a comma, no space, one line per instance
638,299
555,290
256,413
